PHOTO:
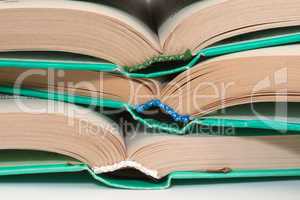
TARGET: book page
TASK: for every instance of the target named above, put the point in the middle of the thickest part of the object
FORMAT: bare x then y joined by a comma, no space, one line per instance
62,128
139,9
170,13
22,104
130,12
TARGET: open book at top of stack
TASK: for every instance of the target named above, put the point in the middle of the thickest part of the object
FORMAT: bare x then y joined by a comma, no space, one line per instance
135,34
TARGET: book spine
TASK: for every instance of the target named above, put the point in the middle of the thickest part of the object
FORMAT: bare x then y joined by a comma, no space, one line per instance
126,164
156,103
187,55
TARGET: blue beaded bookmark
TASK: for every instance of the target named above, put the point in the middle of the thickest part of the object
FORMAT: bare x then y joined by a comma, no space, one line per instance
156,103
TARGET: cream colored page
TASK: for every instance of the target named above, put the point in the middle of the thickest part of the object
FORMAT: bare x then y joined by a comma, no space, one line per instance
174,21
137,140
122,16
10,104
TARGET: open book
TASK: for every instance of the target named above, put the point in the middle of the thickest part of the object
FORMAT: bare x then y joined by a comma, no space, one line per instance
135,34
263,75
82,137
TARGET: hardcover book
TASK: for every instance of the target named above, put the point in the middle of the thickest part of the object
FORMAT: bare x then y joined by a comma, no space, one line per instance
135,34
200,95
43,136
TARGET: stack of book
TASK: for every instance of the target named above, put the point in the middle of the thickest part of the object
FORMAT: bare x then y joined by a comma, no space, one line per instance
140,93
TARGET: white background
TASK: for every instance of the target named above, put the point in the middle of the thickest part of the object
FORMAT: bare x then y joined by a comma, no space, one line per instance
74,187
